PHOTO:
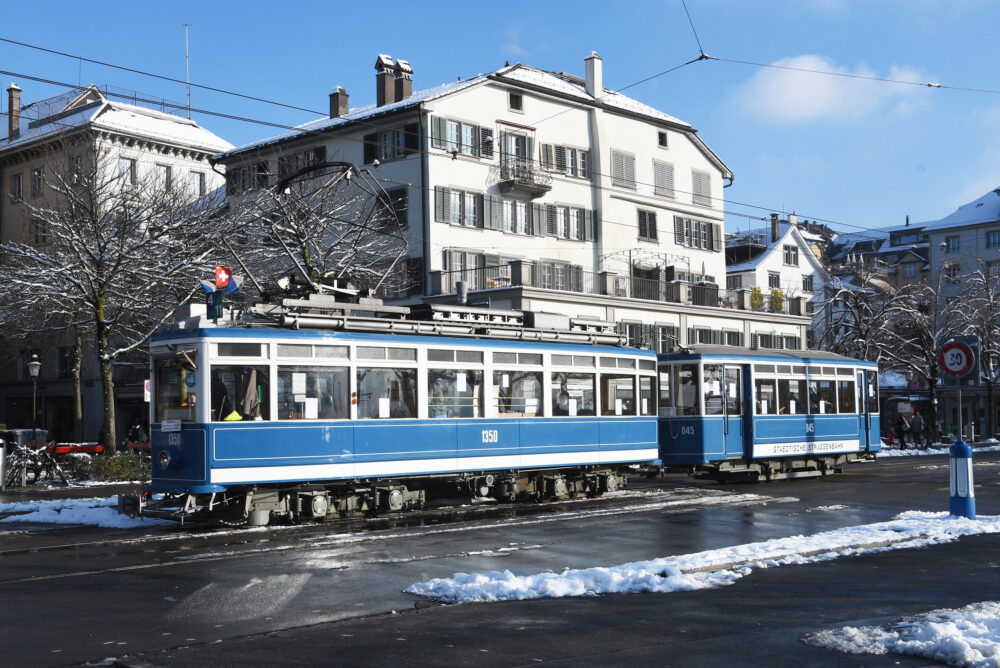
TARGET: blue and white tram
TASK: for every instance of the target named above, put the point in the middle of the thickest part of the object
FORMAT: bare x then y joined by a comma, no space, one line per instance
249,423
765,414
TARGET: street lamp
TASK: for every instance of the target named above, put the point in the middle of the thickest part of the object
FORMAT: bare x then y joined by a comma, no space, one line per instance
34,366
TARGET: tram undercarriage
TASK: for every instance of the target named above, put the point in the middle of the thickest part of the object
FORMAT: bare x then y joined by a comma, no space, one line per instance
741,470
259,504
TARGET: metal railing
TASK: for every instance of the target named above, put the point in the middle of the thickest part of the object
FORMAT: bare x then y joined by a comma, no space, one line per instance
523,171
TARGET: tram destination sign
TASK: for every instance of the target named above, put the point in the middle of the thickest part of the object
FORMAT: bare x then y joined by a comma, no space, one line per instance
958,357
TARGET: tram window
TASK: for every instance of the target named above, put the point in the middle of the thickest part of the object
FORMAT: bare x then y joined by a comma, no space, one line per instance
666,395
371,353
469,356
829,371
711,387
617,394
845,397
685,380
562,360
764,397
573,394
763,368
386,393
792,396
440,355
822,395
403,354
333,352
505,358
583,360
239,349
626,363
608,362
784,368
647,403
530,358
454,393
799,369
174,399
240,393
814,370
312,393
291,350
871,378
845,371
647,365
518,393
733,389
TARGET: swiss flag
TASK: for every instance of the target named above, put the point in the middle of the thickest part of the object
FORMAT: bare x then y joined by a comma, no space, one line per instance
222,275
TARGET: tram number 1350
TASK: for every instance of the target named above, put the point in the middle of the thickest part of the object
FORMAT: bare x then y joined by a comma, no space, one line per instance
491,436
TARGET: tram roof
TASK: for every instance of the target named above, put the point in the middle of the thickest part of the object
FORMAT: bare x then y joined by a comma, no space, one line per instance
788,356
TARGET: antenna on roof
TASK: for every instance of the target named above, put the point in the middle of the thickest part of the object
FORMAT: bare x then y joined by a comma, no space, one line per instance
187,68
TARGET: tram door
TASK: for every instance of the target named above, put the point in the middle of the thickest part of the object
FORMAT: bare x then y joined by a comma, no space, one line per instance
864,410
734,426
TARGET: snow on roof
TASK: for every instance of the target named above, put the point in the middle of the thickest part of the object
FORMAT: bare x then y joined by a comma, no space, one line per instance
517,73
986,209
764,233
113,116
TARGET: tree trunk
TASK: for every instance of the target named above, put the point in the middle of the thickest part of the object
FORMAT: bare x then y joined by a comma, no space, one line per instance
77,386
107,382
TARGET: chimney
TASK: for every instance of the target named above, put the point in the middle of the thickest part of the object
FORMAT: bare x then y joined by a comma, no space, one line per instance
13,111
775,228
793,219
907,220
385,70
595,75
338,102
403,82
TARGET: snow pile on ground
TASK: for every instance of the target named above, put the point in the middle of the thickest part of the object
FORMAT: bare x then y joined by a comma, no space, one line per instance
969,636
99,512
938,449
711,568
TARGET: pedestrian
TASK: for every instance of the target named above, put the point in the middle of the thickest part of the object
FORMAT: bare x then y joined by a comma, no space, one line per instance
901,428
917,431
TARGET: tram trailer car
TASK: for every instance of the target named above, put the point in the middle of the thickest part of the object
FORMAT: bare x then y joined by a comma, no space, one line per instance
765,415
253,423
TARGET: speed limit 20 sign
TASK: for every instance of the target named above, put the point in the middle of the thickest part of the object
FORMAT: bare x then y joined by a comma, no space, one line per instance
957,359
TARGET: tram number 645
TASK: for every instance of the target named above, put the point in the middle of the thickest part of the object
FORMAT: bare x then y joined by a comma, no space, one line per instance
491,436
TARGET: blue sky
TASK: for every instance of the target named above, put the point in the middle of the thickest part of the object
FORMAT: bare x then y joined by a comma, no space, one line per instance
850,151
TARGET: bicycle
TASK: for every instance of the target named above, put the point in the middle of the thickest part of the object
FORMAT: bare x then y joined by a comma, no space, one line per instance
35,463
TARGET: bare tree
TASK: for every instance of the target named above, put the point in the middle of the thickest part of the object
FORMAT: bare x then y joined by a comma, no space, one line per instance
329,223
111,255
980,315
856,318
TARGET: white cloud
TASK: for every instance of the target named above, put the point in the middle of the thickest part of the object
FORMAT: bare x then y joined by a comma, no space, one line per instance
512,47
803,93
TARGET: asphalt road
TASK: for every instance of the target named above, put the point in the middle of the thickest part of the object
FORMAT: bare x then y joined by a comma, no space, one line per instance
332,594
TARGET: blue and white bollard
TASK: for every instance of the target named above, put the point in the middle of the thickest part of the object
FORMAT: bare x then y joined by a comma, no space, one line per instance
963,498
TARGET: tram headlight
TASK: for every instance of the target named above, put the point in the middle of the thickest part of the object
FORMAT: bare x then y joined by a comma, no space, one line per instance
164,460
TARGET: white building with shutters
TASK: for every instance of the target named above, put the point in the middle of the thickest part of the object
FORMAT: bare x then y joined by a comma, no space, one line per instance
541,191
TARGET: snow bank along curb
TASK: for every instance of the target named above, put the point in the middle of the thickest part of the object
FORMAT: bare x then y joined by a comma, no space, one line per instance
711,568
968,636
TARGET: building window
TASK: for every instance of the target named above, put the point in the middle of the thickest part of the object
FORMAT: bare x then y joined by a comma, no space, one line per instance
457,137
952,243
126,170
663,179
993,239
40,232
697,234
36,182
792,255
734,282
566,160
773,280
515,101
622,169
162,177
733,338
807,283
701,189
196,180
393,207
661,138
647,225
790,342
952,272
909,270
66,361
515,217
993,268
15,186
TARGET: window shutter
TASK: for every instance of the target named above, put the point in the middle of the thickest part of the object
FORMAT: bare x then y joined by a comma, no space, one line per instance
576,278
486,143
442,204
716,237
663,178
551,228
588,225
480,222
439,130
529,147
538,224
701,187
371,147
717,339
494,213
651,224
492,260
678,230
548,159
642,223
561,159
411,138
629,171
692,336
617,168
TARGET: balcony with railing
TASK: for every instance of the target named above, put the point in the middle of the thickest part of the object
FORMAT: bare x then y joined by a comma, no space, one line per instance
521,175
